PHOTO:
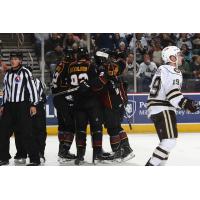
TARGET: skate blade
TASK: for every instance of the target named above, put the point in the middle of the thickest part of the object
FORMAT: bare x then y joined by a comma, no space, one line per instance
18,163
117,160
42,162
129,157
7,164
104,162
82,163
111,162
63,161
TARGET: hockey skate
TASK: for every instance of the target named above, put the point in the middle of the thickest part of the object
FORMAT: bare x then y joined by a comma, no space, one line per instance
33,164
20,161
42,159
80,157
79,161
116,156
65,156
102,158
127,153
148,163
4,162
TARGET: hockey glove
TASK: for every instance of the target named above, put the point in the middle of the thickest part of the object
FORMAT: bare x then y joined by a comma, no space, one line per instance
104,77
83,87
189,104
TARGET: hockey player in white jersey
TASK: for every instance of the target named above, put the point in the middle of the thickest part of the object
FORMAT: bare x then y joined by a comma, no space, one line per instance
164,98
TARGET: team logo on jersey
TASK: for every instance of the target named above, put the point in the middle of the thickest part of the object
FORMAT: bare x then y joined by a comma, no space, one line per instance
130,109
17,79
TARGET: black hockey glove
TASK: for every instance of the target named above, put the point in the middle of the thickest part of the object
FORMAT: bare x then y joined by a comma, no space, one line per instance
101,68
83,87
189,104
104,77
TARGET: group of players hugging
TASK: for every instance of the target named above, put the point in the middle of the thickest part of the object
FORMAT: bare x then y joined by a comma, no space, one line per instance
91,91
88,91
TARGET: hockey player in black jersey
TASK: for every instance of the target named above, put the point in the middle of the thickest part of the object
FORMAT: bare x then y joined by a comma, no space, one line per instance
113,92
81,75
64,105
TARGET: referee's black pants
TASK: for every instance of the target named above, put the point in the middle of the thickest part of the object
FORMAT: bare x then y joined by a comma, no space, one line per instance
39,133
16,116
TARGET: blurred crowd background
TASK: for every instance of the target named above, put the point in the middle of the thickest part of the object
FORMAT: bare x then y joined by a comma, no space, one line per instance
142,53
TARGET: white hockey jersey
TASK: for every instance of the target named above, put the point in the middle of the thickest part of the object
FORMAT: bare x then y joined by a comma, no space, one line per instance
147,70
165,90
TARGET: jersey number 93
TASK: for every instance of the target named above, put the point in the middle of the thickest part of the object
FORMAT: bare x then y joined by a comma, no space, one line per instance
76,78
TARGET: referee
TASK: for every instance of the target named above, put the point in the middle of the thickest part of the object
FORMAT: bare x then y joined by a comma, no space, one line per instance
38,127
16,110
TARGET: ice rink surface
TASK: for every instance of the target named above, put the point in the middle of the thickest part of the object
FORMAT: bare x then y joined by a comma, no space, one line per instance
186,152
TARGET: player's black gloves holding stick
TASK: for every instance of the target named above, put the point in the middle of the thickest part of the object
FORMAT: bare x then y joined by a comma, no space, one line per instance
83,87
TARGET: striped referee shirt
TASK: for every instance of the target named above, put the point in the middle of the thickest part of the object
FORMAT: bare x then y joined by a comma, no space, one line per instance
40,89
19,86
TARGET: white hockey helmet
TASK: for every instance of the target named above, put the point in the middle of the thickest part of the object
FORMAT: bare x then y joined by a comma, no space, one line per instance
170,51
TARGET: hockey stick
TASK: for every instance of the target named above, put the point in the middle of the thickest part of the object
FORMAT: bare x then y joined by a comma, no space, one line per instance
66,91
128,120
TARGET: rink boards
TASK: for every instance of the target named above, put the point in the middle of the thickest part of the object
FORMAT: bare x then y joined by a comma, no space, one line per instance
136,112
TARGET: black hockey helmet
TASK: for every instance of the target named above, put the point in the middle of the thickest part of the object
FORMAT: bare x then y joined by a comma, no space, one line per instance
117,54
16,55
82,53
101,56
68,54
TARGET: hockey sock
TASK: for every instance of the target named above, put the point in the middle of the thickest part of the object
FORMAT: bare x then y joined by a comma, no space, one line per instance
158,156
81,152
81,143
115,142
163,163
81,139
124,138
161,152
66,138
97,141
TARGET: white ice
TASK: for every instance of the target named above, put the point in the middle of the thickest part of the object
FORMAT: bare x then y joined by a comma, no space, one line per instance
186,152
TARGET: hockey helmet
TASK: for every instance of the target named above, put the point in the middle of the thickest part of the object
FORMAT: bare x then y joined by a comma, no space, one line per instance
68,55
82,53
170,51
